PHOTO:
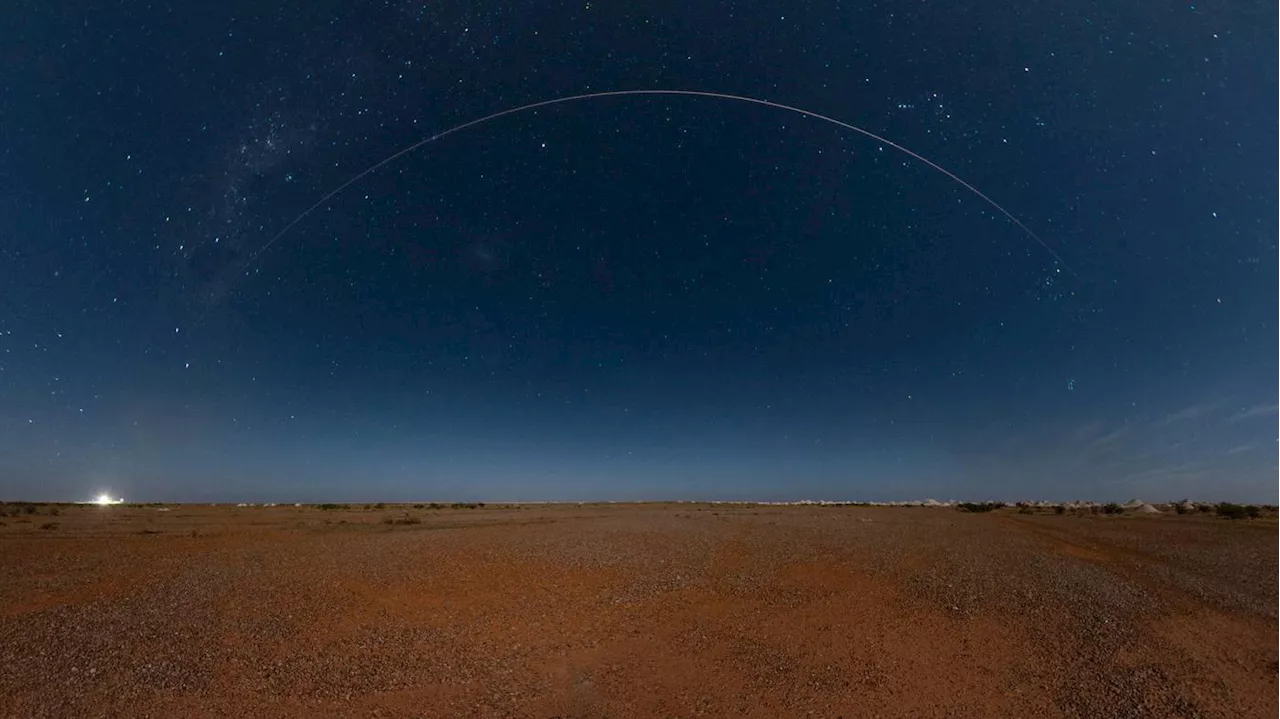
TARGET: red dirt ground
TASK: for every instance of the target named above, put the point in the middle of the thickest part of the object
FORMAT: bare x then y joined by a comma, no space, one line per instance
641,610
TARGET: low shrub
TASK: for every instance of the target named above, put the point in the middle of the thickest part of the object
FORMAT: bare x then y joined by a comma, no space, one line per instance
1236,511
1112,508
49,525
401,520
330,505
1059,509
979,506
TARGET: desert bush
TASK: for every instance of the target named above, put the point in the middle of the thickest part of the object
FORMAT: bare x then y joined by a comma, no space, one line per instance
1236,511
979,506
49,525
1229,510
1059,509
29,509
1026,510
1112,508
406,519
54,512
418,506
1183,507
330,505
380,505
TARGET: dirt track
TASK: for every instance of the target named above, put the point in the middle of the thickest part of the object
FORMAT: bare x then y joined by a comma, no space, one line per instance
674,610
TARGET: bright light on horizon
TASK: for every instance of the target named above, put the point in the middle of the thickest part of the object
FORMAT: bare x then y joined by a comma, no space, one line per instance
104,499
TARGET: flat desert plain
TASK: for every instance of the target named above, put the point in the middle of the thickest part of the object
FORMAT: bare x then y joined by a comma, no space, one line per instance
672,610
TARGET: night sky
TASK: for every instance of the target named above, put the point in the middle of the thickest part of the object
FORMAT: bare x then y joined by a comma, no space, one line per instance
640,297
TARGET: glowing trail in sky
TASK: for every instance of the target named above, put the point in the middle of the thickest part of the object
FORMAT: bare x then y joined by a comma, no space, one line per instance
628,93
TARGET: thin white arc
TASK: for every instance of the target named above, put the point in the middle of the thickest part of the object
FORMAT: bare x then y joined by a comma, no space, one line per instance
622,93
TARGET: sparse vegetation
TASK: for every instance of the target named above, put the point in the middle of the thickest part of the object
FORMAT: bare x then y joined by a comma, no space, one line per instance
49,525
331,506
1059,509
979,506
1237,511
418,506
1112,508
406,519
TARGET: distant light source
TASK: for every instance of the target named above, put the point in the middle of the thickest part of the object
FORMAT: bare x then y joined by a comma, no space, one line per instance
104,499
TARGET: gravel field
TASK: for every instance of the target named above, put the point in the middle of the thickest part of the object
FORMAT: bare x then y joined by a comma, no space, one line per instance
633,610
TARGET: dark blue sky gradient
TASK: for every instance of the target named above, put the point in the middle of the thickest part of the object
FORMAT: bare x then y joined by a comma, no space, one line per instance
638,297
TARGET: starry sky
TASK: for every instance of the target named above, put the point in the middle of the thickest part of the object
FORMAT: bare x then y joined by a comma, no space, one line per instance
642,297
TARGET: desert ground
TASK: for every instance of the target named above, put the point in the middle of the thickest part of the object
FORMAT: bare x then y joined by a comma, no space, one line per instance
670,610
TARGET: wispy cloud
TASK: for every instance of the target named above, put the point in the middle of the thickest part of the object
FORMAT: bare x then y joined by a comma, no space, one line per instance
1110,437
1261,410
1089,429
1188,413
1189,470
1241,448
